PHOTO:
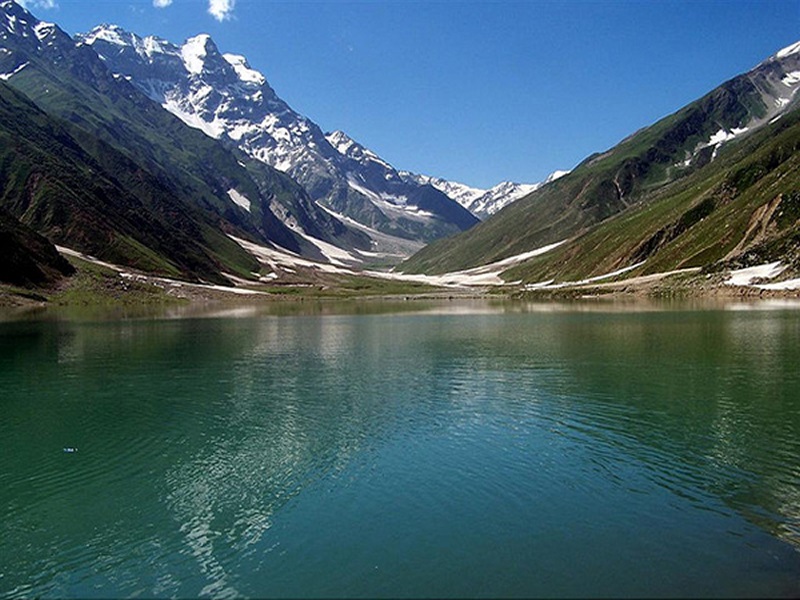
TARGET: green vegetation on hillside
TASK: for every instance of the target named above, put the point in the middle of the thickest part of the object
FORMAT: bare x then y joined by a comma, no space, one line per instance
101,202
631,175
744,208
26,258
669,196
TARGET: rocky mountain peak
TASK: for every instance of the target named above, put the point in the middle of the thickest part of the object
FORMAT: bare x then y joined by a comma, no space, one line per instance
198,53
25,38
160,62
109,36
480,202
16,21
246,73
347,146
341,141
113,34
222,95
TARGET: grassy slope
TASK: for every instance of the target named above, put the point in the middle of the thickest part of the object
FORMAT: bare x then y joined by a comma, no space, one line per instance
98,201
741,209
184,163
602,186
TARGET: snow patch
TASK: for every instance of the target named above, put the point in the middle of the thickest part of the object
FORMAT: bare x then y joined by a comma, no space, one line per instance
243,70
340,141
793,49
725,136
789,284
286,260
388,202
12,23
70,252
214,129
556,175
518,258
280,258
42,29
791,79
239,199
108,34
334,254
152,45
747,275
194,53
7,76
488,274
549,285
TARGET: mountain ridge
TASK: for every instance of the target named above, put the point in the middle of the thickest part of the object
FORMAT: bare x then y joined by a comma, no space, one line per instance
629,174
142,169
483,203
180,168
223,96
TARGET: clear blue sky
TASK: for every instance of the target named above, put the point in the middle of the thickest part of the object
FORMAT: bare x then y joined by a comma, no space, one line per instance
476,92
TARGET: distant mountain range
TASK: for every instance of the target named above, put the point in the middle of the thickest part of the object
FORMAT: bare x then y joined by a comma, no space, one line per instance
237,160
180,160
714,184
223,96
482,203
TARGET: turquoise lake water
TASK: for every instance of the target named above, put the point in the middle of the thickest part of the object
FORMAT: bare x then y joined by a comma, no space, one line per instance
456,449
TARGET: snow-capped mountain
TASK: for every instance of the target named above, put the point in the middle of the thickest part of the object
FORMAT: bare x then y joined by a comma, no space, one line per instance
214,92
482,203
208,190
771,89
228,100
30,35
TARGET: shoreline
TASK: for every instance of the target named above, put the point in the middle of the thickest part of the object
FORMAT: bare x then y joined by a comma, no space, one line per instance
100,285
199,300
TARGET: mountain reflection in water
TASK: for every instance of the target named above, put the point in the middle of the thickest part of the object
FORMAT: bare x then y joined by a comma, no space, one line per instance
495,450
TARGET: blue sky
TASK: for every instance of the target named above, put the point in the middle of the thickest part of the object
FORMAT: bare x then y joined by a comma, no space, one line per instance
477,92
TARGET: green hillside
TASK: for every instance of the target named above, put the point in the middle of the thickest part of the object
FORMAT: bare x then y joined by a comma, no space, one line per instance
635,173
95,199
743,209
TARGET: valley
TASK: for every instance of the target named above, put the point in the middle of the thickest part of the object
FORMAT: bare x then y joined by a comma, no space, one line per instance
385,299
180,168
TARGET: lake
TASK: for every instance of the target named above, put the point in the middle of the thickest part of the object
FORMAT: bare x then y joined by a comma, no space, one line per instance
436,449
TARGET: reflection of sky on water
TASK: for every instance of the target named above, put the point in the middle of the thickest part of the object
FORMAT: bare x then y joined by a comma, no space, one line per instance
769,352
253,416
225,495
719,403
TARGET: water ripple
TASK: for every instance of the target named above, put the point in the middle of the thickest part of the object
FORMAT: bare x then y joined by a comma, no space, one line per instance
403,455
